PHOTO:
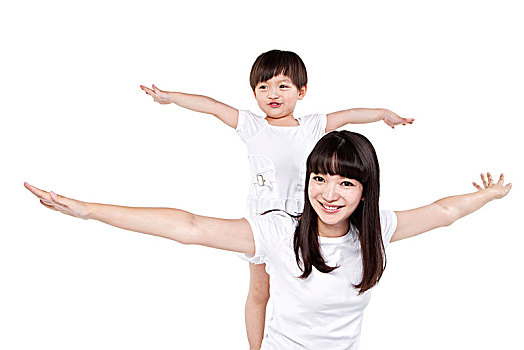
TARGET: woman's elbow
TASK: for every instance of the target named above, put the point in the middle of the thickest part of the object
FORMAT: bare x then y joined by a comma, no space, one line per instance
188,233
447,216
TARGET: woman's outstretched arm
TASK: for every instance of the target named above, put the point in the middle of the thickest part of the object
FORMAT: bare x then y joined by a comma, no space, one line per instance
447,210
175,224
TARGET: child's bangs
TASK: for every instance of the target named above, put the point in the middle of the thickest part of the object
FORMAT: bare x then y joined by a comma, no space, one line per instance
268,71
338,159
274,63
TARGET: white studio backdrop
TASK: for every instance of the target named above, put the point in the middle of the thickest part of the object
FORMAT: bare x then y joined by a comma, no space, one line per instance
75,121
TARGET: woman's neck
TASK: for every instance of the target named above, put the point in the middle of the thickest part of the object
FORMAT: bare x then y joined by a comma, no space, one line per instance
336,230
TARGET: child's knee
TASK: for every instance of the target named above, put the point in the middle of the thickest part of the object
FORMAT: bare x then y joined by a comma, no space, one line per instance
259,284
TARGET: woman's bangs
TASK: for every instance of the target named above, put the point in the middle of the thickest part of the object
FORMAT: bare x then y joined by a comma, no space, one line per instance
340,160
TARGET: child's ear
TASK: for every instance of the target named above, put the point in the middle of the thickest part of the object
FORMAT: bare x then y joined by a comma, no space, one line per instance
302,92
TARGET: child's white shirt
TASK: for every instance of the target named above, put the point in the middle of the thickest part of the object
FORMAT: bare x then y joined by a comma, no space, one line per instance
322,311
277,157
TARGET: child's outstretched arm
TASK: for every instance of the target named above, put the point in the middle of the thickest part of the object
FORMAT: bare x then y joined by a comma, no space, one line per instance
447,210
197,103
364,115
178,225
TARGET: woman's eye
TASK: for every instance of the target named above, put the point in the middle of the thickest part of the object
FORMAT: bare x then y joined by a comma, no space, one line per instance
318,178
346,183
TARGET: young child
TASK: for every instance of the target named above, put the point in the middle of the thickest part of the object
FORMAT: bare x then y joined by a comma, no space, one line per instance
278,144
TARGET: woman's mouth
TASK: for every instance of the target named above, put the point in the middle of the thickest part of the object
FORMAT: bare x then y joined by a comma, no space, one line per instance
330,208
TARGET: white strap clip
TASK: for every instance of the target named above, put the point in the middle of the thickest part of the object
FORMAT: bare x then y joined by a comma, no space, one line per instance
260,180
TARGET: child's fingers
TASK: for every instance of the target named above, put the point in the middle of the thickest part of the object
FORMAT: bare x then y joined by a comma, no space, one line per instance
155,88
477,186
147,90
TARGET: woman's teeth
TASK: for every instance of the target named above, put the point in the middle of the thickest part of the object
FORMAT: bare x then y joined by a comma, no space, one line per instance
329,207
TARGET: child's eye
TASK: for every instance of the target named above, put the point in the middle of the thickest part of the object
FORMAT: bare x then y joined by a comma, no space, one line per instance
284,86
262,87
346,183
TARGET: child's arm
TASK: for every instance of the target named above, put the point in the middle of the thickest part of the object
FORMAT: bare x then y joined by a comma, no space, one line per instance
364,115
197,103
178,225
447,210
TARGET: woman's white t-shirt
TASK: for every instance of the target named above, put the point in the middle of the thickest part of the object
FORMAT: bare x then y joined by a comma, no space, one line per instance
322,311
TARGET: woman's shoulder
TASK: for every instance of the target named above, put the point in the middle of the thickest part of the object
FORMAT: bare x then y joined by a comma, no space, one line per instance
276,222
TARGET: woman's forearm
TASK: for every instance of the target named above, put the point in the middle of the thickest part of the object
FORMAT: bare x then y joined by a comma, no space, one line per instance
447,210
164,222
459,206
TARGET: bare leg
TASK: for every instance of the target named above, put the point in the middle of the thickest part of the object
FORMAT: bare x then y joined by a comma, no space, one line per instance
256,305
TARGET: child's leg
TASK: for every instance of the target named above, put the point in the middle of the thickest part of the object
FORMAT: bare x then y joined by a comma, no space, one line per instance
256,304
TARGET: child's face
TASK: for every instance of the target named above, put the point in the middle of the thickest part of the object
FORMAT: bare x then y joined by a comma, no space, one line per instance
278,96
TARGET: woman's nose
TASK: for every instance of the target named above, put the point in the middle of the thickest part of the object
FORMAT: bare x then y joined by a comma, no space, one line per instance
330,193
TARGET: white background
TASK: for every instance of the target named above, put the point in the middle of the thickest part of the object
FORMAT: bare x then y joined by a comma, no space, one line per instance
75,121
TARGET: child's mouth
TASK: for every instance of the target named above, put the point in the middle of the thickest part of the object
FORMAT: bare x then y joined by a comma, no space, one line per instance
274,104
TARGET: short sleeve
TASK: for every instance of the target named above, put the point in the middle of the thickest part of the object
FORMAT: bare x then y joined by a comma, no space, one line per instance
388,225
249,124
315,125
269,232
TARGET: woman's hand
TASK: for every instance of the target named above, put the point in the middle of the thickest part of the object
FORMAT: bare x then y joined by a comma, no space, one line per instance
392,119
62,204
158,95
498,189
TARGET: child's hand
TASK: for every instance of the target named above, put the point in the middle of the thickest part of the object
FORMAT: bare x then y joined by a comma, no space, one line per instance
158,95
392,119
498,189
59,203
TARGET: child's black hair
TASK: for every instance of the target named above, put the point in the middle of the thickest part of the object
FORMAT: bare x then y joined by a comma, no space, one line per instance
276,62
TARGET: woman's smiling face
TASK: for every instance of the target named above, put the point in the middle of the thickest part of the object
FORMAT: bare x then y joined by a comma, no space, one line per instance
334,198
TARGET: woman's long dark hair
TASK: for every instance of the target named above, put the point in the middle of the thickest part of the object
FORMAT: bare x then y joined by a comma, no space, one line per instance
350,155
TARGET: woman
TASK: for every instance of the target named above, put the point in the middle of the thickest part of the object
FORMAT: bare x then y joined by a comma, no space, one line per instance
322,265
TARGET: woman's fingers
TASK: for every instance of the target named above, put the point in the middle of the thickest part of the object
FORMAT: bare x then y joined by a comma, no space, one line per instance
490,179
47,205
59,201
483,180
477,186
501,180
42,195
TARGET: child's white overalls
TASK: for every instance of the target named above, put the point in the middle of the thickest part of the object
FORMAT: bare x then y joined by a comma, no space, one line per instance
277,157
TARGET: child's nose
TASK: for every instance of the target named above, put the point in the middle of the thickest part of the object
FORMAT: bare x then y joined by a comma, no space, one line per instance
273,93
